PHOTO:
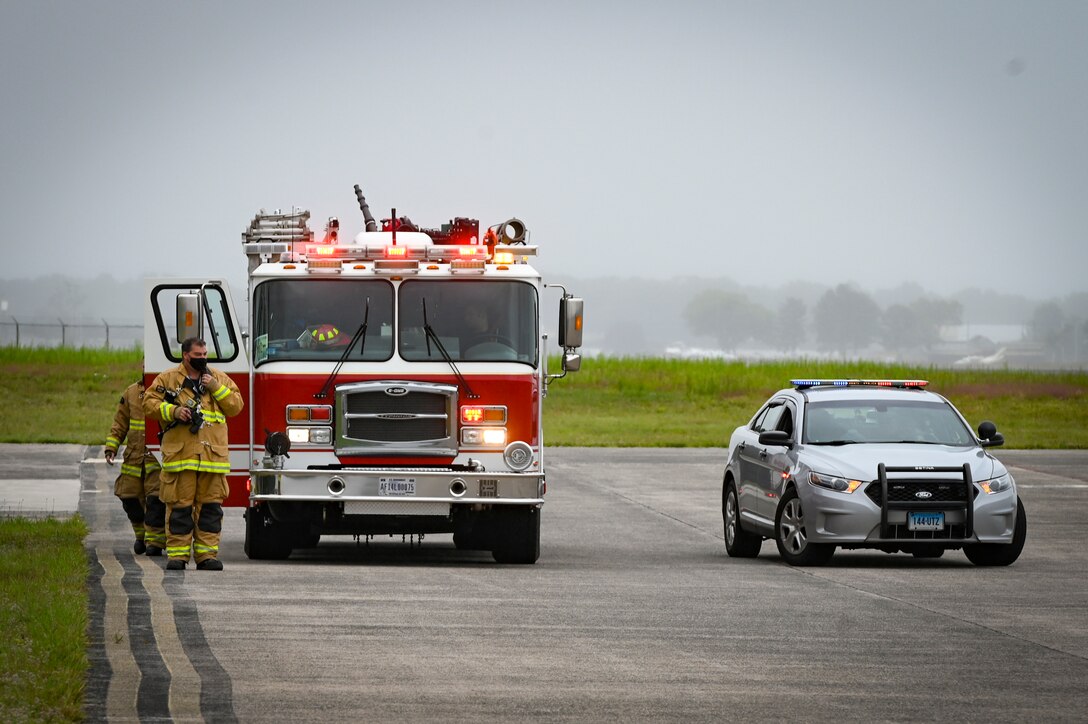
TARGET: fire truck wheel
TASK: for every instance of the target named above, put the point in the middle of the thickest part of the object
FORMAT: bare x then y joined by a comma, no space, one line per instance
518,539
307,540
266,539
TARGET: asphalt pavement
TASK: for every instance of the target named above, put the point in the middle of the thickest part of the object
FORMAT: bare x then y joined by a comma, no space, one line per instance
633,612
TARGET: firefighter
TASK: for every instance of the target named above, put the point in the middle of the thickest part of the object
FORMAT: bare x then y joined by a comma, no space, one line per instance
138,484
193,402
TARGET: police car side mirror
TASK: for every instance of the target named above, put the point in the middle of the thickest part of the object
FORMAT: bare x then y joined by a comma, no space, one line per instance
775,437
988,434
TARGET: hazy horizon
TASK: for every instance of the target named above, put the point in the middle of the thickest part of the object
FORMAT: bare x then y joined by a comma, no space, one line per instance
934,143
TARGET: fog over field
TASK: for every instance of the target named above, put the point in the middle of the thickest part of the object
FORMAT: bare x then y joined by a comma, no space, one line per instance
925,150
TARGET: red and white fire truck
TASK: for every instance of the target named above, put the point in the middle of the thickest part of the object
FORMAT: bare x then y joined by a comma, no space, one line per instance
393,384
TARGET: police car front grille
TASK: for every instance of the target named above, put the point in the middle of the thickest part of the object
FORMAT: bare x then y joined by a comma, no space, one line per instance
905,491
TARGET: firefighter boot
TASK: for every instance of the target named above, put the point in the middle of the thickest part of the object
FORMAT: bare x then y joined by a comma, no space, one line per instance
139,547
176,564
210,564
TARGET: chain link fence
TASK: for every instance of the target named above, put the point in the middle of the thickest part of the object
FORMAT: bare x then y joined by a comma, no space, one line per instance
72,332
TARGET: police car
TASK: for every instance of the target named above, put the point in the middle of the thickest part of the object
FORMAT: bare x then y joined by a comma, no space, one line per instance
881,464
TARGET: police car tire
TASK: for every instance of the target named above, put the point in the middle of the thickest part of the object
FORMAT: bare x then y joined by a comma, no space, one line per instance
739,543
1001,554
810,554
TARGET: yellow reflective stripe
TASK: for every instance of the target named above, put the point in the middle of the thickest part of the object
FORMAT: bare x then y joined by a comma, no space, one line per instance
133,470
112,442
177,551
222,392
136,424
151,466
203,466
198,548
155,539
166,411
210,416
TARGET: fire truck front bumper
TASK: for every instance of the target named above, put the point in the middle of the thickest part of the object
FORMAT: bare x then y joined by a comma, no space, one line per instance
397,491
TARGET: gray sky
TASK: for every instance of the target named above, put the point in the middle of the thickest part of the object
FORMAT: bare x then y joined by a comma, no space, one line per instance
942,143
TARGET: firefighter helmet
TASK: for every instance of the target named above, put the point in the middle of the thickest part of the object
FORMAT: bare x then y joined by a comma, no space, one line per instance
326,335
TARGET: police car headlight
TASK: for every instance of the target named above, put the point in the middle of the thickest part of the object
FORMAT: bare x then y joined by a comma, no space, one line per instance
997,485
834,482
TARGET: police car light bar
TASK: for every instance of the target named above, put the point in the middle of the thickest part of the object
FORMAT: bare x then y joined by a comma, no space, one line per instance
899,384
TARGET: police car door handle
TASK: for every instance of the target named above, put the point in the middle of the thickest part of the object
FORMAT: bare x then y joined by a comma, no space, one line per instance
762,454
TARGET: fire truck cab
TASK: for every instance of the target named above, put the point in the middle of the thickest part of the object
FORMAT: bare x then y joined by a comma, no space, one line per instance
393,383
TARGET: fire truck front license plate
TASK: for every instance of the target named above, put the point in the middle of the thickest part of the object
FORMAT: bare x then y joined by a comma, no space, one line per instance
396,486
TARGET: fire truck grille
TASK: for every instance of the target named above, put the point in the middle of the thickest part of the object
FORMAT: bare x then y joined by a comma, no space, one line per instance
391,418
413,403
396,429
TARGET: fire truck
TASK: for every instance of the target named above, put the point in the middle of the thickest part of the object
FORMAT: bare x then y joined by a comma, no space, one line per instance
393,383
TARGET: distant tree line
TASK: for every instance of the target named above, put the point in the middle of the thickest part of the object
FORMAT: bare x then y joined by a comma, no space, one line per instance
846,320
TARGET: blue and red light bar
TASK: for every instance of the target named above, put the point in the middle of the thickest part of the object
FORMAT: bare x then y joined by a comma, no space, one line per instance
898,384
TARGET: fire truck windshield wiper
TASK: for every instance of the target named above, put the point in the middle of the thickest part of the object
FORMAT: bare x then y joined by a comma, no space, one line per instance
360,333
431,336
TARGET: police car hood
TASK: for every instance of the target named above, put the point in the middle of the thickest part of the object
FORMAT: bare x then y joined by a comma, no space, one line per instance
859,461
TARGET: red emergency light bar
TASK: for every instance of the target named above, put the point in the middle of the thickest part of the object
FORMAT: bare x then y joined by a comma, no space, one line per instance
899,384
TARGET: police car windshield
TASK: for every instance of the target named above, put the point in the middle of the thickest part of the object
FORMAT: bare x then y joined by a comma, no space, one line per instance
296,319
840,422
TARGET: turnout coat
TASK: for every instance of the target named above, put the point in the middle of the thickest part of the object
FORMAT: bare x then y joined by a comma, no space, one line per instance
204,449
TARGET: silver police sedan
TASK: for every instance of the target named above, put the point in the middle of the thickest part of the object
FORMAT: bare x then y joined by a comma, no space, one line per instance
881,464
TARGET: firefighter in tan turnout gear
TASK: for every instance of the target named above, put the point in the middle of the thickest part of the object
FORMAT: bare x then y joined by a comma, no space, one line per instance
193,402
138,484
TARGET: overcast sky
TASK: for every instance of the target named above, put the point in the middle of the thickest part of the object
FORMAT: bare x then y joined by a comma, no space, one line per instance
943,143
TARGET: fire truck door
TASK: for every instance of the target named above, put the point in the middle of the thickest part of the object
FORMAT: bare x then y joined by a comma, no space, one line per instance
178,309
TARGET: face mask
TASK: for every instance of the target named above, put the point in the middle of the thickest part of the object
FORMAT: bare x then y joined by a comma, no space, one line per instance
200,364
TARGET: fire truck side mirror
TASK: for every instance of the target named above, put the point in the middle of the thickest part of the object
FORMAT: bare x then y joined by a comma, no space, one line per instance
188,311
570,322
572,362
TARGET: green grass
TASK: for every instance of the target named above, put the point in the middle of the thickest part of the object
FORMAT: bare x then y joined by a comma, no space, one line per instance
71,396
43,617
697,403
63,395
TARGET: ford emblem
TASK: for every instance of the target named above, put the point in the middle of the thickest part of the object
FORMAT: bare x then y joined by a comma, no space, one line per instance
923,494
396,391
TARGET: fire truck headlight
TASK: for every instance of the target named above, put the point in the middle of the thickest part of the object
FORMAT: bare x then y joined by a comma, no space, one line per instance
310,435
518,456
489,436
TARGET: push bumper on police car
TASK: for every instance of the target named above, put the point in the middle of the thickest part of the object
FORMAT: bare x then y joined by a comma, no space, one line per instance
876,518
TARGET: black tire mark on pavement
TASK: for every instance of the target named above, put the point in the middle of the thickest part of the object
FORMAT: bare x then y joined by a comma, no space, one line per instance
153,695
216,691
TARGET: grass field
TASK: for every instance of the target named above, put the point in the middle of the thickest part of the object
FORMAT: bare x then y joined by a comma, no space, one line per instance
70,396
43,616
684,403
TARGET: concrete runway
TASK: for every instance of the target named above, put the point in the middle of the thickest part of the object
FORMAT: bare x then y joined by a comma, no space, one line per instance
633,612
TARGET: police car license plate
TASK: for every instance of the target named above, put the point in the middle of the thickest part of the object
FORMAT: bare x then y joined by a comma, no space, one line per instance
925,521
396,486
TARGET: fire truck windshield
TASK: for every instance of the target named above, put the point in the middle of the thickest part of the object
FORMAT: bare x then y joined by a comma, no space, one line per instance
295,319
476,320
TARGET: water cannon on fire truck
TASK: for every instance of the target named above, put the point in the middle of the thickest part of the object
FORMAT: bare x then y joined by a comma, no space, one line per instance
394,381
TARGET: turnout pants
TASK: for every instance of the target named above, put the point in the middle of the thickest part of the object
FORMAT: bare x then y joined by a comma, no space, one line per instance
194,513
139,496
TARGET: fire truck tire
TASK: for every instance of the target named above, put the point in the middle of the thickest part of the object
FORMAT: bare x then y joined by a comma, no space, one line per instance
519,536
266,539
